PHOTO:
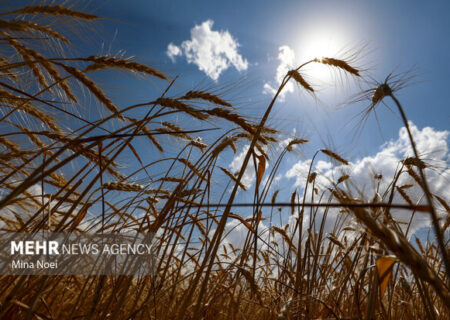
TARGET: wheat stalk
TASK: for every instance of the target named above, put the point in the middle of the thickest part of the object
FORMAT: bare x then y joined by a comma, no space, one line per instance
57,10
205,96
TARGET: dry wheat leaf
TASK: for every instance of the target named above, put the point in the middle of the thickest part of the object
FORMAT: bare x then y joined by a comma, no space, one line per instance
385,265
294,194
261,168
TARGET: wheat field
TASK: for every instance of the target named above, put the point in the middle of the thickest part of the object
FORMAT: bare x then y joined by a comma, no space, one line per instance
62,170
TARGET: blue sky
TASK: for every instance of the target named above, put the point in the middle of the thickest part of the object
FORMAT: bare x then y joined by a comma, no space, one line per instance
395,36
398,35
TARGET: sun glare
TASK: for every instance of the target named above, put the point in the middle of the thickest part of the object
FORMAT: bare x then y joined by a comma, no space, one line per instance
318,44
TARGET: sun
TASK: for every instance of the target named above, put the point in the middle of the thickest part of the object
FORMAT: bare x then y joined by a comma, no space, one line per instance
321,43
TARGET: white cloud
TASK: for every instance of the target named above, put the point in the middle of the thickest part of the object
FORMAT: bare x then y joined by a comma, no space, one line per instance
173,51
284,142
211,51
433,148
432,145
286,56
27,209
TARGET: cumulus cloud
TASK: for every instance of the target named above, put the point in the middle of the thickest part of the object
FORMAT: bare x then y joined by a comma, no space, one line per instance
173,51
211,51
434,150
283,143
432,145
27,209
286,56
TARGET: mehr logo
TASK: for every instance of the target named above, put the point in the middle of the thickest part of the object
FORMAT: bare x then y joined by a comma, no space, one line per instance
42,247
34,247
76,254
